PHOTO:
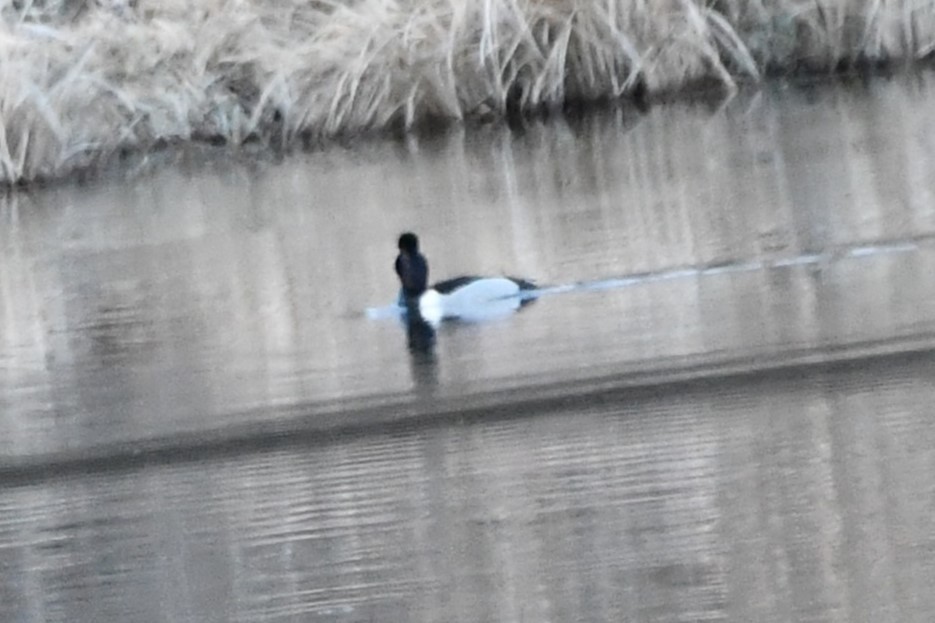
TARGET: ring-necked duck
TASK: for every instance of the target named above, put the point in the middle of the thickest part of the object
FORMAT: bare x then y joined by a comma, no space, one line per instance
466,298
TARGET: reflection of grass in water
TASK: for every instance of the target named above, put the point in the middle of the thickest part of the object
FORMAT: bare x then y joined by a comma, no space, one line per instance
80,80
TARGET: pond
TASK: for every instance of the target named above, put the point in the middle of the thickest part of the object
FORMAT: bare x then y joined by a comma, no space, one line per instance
723,393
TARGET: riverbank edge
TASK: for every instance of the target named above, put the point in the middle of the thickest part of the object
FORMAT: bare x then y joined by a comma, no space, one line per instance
310,425
88,85
141,160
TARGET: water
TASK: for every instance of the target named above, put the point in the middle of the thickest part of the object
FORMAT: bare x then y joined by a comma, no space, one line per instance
719,410
780,499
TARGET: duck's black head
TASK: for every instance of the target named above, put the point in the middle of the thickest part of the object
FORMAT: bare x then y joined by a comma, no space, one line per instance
409,243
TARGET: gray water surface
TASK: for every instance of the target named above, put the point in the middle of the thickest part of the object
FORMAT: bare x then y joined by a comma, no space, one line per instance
781,499
722,413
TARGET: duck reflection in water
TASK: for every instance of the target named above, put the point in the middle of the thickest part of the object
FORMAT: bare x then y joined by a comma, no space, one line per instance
423,362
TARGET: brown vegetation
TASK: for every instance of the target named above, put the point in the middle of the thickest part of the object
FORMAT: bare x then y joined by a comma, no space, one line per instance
81,79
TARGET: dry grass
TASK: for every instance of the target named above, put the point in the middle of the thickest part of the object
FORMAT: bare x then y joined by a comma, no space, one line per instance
80,79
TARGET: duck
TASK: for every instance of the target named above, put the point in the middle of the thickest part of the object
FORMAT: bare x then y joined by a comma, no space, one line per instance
470,298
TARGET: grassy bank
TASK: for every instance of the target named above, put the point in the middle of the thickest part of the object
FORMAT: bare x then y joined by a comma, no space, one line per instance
82,80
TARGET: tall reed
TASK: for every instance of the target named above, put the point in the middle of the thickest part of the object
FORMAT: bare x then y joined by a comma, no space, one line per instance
80,79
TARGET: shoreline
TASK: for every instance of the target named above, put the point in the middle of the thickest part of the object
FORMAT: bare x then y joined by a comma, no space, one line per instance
310,425
86,90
